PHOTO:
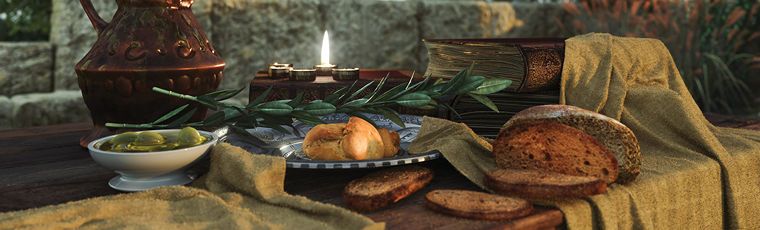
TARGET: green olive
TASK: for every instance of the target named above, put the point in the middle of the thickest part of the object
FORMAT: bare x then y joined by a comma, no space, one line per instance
120,148
149,138
189,136
124,138
151,148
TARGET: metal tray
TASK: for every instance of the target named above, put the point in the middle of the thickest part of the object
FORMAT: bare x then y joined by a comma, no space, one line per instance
272,142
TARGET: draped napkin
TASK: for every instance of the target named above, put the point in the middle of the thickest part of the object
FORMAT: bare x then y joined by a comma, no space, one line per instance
240,191
694,175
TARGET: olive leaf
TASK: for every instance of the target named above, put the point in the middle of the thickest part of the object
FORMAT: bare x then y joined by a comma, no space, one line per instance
490,86
378,87
319,107
485,101
413,100
355,94
307,118
391,115
275,108
470,83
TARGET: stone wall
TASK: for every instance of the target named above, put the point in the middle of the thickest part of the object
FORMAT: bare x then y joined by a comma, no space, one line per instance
27,67
251,33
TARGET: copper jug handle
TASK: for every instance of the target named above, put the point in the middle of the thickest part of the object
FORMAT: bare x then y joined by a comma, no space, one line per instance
96,20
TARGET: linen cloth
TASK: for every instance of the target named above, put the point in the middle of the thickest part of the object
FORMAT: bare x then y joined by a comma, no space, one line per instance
240,191
694,175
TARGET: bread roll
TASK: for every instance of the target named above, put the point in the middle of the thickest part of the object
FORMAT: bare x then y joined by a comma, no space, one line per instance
391,142
609,132
355,140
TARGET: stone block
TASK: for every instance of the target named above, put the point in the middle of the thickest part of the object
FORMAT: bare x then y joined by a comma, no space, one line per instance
6,112
540,20
373,33
464,19
60,106
73,34
251,33
27,67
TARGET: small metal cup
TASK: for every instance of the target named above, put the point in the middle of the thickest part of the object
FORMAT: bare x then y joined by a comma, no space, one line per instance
303,74
347,74
277,72
324,70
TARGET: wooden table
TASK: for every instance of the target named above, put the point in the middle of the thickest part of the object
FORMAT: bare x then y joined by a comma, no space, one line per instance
45,165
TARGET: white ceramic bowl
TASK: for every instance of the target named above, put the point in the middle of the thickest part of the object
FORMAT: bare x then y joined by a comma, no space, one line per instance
145,170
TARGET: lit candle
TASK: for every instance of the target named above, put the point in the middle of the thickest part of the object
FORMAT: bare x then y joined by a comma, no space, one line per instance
325,68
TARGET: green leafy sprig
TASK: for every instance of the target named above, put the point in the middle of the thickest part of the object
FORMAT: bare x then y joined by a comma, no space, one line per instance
425,94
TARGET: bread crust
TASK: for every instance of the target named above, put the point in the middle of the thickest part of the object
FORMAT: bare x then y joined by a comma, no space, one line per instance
477,205
382,188
617,137
535,184
391,142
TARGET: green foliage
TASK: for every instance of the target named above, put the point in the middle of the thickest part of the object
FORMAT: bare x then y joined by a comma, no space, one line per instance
714,43
25,20
425,94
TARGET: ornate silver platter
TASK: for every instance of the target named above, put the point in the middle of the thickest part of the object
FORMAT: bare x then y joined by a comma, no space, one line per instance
273,142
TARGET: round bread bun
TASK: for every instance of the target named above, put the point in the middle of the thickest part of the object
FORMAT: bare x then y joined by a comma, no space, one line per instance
609,132
355,140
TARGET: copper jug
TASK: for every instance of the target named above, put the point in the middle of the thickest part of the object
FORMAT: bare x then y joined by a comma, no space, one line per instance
147,43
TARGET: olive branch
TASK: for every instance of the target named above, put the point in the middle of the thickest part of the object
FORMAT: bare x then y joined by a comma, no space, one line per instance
425,94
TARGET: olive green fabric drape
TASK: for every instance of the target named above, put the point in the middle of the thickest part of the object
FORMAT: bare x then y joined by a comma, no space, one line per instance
694,175
240,191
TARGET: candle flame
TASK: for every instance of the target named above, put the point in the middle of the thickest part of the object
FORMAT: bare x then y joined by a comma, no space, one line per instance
325,49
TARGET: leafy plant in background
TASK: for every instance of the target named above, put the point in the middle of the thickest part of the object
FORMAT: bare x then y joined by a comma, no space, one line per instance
711,41
425,94
25,20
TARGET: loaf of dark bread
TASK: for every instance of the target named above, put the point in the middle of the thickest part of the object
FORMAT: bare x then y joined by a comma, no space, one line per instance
615,136
477,205
541,184
382,188
551,146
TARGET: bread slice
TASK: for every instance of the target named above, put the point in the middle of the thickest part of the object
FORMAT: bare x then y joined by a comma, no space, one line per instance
614,135
536,184
477,205
551,146
379,189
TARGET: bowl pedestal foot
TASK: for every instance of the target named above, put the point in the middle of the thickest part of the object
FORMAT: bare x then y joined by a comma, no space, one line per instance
134,184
